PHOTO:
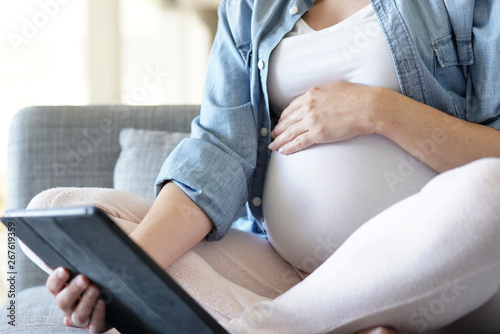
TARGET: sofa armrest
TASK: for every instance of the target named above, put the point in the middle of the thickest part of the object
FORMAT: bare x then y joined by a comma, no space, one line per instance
74,146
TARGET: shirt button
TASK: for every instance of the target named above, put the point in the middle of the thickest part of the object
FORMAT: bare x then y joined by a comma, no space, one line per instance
260,65
263,132
257,201
293,10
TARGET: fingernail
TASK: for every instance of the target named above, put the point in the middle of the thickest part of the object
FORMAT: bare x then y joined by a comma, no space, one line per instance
92,292
61,273
271,146
100,303
77,323
281,150
80,282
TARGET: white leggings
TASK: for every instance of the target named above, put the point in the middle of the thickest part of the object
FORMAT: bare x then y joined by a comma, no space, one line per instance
430,263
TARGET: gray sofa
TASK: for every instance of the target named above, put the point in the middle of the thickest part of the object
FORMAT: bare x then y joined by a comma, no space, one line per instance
79,146
68,146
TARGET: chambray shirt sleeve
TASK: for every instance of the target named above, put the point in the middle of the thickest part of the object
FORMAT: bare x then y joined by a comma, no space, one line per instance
214,166
484,76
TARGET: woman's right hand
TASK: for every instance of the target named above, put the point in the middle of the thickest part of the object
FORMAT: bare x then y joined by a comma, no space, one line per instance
78,301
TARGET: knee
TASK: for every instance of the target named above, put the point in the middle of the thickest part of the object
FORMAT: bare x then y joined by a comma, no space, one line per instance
485,193
53,198
480,182
486,170
469,194
475,182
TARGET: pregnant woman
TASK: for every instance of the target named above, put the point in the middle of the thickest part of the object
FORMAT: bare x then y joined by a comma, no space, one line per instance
351,130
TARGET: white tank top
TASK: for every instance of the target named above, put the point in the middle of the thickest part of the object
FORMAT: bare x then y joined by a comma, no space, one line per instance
315,199
353,50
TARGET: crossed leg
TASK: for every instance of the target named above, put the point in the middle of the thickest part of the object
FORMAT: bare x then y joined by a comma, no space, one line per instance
418,266
225,277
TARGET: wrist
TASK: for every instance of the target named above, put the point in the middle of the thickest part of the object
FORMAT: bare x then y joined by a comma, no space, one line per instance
381,102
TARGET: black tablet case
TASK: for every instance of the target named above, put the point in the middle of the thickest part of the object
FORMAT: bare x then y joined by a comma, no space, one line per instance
140,297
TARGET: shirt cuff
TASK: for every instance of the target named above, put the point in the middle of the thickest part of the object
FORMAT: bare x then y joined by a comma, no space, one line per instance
211,178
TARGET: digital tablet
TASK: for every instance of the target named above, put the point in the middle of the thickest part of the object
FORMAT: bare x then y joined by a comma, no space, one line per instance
140,296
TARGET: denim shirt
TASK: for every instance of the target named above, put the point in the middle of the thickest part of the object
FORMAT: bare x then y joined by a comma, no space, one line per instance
446,55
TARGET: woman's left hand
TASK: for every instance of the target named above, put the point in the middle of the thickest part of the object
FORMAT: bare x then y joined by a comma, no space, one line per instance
334,112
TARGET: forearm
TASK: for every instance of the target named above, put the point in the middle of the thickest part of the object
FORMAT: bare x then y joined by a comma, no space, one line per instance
173,225
439,140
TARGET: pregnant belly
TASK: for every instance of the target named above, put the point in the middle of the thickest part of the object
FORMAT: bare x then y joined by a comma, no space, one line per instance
315,199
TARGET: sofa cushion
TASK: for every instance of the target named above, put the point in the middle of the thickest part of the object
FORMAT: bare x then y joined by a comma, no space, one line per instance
141,157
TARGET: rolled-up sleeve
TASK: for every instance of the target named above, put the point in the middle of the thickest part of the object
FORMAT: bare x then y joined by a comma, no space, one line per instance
215,165
484,77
